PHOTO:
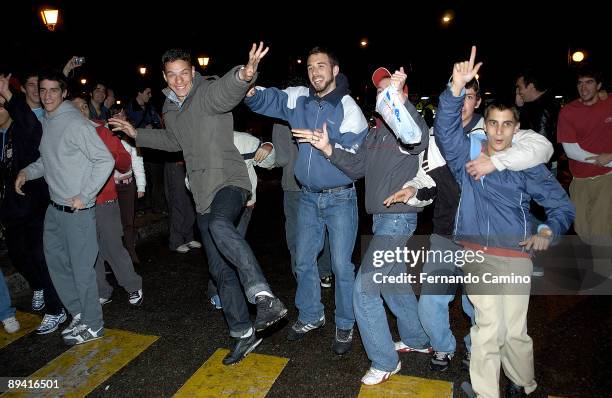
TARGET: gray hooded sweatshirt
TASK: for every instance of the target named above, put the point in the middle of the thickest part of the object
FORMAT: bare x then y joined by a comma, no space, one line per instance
73,159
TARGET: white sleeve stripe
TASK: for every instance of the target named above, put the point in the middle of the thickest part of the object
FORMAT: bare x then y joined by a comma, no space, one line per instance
353,121
293,93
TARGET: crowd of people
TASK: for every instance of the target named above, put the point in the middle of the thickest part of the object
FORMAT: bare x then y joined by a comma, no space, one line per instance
72,171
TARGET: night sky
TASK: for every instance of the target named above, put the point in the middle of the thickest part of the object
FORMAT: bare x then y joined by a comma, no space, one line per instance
117,37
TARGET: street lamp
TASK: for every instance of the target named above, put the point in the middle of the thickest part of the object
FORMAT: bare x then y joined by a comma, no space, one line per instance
50,17
578,56
142,70
447,17
203,61
83,81
363,43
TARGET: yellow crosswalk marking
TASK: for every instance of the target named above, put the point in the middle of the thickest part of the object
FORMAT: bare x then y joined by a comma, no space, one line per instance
253,377
408,386
29,322
82,368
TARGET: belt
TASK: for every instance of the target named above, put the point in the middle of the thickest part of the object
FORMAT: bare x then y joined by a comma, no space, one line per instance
125,181
331,190
67,209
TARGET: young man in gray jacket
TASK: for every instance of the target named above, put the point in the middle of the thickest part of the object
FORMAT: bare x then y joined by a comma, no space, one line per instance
75,164
387,164
199,122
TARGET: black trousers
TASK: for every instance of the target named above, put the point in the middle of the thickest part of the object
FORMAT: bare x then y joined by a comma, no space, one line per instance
24,241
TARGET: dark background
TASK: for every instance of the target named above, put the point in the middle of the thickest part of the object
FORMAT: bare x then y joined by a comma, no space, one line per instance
118,37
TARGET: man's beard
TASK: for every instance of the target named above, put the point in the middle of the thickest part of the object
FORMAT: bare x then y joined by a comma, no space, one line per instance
324,88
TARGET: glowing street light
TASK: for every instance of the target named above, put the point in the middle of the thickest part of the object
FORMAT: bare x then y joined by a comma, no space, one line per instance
299,61
203,61
83,81
142,70
447,17
50,18
363,43
578,56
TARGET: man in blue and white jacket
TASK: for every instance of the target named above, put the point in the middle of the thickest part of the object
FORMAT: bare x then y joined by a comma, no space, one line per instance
329,199
493,217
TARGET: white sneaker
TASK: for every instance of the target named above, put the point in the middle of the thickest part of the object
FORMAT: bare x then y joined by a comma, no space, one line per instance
374,376
76,319
194,244
38,300
50,323
11,325
136,297
83,334
182,248
401,347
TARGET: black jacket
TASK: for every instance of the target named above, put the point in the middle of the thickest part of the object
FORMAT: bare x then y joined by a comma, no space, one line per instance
541,116
24,134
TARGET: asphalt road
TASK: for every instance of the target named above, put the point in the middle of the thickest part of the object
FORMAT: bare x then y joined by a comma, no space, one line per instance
570,333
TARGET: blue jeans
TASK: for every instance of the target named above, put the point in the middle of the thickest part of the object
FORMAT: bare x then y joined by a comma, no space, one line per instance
231,261
291,202
435,298
391,231
6,311
336,211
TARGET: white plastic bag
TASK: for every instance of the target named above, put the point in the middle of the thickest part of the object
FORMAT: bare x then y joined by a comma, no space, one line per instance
389,105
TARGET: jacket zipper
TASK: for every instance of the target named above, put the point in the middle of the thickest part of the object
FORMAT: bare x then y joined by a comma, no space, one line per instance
311,148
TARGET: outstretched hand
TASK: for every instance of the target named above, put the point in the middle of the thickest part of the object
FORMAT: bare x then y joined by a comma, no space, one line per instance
318,138
398,79
255,55
122,125
464,71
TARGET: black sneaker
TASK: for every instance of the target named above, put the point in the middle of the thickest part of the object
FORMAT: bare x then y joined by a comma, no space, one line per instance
327,281
269,311
299,329
515,391
136,297
465,362
440,361
343,341
243,347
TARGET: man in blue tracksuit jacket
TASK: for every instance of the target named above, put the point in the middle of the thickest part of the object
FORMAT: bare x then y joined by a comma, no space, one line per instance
329,199
493,218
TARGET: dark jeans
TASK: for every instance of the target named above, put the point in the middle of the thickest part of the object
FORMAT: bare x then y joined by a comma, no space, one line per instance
231,261
24,241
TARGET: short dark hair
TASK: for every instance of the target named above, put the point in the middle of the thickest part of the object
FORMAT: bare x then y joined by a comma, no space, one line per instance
142,85
588,70
115,109
54,76
25,75
95,84
333,60
475,85
501,106
536,77
176,54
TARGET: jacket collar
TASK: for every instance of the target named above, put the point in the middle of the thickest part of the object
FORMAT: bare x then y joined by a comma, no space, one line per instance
336,95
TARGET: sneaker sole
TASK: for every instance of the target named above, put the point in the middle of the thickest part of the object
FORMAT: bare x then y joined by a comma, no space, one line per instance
71,343
422,351
137,304
272,322
326,285
396,371
247,352
62,320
